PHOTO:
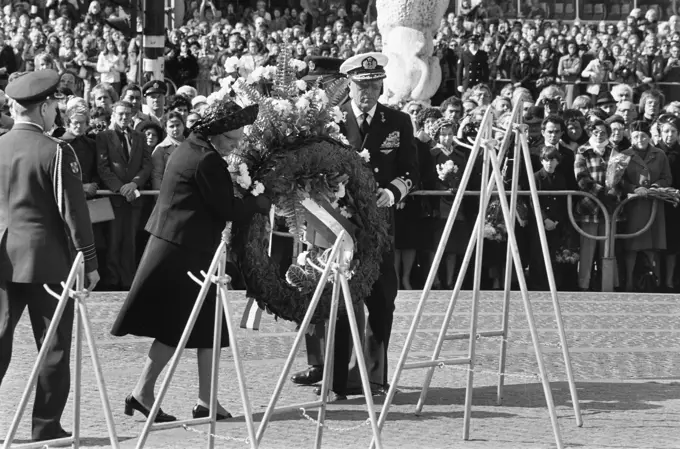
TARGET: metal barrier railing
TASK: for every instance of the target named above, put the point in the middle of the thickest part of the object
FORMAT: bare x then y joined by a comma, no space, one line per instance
610,220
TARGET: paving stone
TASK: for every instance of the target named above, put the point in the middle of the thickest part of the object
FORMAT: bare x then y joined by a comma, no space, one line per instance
625,352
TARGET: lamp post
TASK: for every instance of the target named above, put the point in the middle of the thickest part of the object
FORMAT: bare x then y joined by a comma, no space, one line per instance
153,63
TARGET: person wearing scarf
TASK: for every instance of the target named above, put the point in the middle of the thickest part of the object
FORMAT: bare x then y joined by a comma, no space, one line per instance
669,125
648,167
618,138
195,204
590,168
174,128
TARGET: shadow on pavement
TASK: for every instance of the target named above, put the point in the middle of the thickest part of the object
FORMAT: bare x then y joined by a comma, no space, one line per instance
593,396
87,441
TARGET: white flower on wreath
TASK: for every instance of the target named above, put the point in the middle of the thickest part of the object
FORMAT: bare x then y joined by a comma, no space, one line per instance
282,106
243,177
333,128
337,114
303,103
365,155
320,97
232,64
269,72
341,191
255,76
227,82
258,188
218,96
344,212
297,64
302,258
341,138
302,85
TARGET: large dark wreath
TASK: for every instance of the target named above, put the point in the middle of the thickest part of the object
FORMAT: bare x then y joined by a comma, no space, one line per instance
284,174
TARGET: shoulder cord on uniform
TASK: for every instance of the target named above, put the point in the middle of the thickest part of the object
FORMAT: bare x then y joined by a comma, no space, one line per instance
57,180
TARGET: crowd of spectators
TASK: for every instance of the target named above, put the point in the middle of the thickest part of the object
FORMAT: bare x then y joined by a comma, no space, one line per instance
588,90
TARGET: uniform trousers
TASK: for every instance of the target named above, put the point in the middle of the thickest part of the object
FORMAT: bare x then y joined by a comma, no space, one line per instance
121,253
316,344
54,378
380,305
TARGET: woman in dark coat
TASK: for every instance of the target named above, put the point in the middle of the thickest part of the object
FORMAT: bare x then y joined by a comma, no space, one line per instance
669,125
444,152
648,167
195,203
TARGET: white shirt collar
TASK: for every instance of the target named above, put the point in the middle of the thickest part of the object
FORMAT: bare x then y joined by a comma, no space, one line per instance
24,122
358,112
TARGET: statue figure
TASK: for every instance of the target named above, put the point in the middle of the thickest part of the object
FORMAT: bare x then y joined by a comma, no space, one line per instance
408,28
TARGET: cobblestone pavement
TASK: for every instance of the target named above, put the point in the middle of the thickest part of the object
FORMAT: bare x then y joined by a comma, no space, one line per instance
625,352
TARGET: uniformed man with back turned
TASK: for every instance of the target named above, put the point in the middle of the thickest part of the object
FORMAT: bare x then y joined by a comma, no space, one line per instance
44,221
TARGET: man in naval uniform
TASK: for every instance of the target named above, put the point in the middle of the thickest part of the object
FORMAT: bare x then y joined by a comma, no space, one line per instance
387,134
43,217
473,67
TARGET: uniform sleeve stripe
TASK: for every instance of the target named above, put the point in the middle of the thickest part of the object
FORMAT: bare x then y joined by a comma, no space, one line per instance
86,248
401,185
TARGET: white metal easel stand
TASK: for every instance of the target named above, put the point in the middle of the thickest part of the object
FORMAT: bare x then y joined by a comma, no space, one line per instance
216,275
335,271
492,162
75,278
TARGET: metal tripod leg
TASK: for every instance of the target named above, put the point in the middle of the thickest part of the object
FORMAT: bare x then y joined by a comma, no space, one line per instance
356,339
328,366
271,408
528,308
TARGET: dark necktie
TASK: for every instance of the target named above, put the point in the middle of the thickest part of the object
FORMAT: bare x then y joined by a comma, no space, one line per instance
125,140
364,127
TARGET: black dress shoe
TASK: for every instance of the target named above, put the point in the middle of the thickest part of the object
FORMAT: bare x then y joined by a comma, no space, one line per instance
61,433
133,404
310,376
203,412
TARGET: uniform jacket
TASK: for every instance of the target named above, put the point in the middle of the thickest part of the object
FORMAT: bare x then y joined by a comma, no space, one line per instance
473,69
197,198
391,145
36,239
113,165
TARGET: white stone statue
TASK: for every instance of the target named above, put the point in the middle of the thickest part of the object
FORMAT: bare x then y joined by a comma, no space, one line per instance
408,29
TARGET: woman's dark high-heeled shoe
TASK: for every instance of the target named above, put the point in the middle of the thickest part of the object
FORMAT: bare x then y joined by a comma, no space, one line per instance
203,412
133,404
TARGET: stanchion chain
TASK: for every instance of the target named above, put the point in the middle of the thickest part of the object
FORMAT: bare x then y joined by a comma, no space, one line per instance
532,376
304,414
219,437
523,342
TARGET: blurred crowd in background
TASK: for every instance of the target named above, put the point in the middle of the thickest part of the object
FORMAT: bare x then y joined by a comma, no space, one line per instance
589,91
